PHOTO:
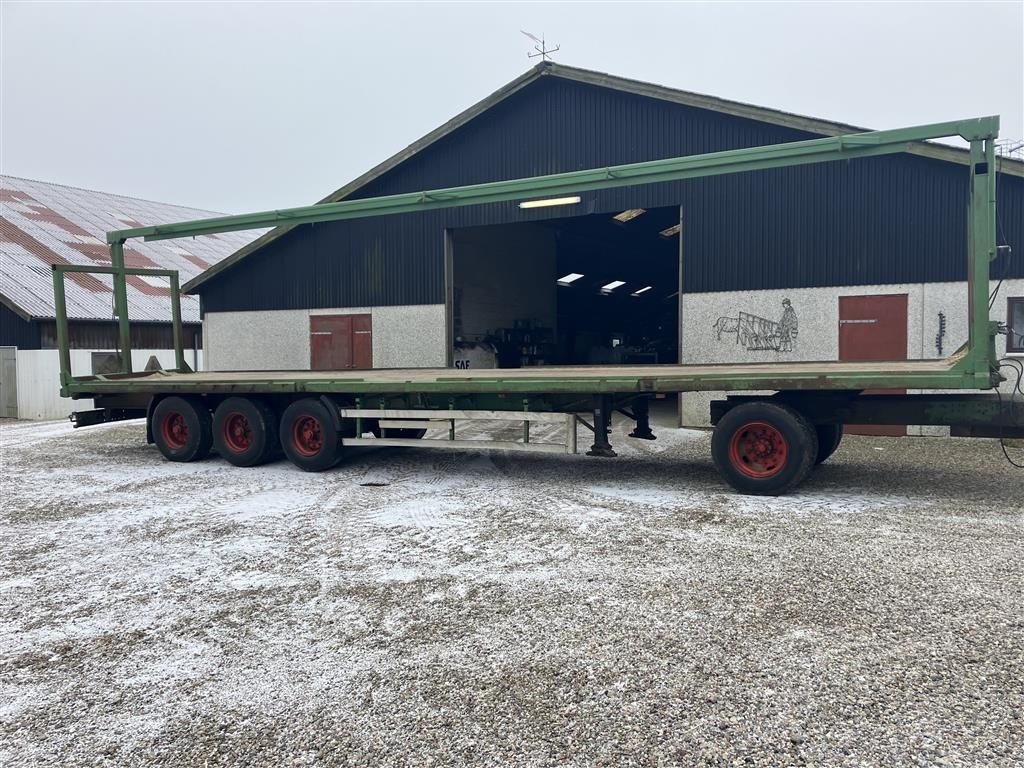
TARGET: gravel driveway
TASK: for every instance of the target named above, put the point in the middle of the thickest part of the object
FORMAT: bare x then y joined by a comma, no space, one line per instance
446,608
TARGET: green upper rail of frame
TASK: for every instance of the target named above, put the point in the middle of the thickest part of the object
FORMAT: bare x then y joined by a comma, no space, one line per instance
672,169
978,364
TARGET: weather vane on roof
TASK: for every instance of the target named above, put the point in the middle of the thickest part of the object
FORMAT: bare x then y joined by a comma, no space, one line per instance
541,48
1011,148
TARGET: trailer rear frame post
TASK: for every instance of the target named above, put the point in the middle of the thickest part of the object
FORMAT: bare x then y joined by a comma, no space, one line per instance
63,343
176,329
121,304
981,251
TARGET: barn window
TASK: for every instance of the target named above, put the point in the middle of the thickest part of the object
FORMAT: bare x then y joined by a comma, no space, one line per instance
1015,322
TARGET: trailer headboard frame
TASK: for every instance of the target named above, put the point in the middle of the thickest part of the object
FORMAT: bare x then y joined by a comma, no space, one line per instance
120,275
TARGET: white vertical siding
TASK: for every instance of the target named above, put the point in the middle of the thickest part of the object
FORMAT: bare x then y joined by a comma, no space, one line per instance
39,378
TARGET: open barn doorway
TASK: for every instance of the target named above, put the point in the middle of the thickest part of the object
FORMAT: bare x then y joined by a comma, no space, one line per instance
599,289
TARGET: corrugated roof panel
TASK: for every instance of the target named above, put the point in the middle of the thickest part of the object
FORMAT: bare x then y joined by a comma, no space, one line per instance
43,224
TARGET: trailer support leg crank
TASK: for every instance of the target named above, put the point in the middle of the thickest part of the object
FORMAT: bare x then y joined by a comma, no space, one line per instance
602,424
642,417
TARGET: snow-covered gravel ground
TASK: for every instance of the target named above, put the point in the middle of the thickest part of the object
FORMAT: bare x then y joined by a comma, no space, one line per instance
447,608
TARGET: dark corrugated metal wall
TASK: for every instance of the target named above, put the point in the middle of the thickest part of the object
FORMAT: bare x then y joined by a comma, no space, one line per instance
85,334
16,331
880,220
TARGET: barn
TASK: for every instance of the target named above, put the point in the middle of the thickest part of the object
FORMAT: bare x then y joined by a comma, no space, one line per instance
861,259
42,224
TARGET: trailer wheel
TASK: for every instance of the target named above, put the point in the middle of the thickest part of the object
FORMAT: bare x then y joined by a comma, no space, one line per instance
182,428
244,432
829,437
763,448
309,435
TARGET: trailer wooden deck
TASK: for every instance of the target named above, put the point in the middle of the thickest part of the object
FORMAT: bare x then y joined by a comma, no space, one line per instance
909,374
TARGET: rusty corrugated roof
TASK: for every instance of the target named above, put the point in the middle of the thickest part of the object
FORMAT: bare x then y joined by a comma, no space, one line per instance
43,224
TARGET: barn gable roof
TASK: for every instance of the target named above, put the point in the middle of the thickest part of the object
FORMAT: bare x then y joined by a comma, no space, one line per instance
602,80
42,224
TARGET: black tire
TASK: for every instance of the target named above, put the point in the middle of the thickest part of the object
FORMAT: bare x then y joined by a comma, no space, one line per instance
309,435
829,437
182,428
245,432
763,448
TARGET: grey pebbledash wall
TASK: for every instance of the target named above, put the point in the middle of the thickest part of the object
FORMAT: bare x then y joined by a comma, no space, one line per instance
706,339
403,337
414,336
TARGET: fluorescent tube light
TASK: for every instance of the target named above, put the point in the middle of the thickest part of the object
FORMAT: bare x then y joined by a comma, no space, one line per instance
642,290
673,230
569,279
628,215
550,201
612,286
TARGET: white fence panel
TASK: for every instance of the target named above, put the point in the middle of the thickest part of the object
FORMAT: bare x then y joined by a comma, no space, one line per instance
39,378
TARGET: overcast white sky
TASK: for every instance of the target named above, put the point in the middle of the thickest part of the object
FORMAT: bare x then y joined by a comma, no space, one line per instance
247,106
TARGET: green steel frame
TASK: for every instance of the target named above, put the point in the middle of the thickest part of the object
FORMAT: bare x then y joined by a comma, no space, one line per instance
120,274
976,367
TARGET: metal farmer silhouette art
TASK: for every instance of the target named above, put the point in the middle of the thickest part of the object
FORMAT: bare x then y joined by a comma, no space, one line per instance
758,334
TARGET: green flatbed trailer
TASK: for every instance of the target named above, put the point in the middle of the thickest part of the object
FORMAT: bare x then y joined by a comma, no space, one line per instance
761,444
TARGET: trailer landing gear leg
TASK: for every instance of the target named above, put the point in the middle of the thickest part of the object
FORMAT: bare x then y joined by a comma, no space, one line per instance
642,416
602,422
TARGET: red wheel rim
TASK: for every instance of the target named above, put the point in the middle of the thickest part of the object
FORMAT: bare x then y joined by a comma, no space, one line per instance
758,450
307,436
174,430
236,432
